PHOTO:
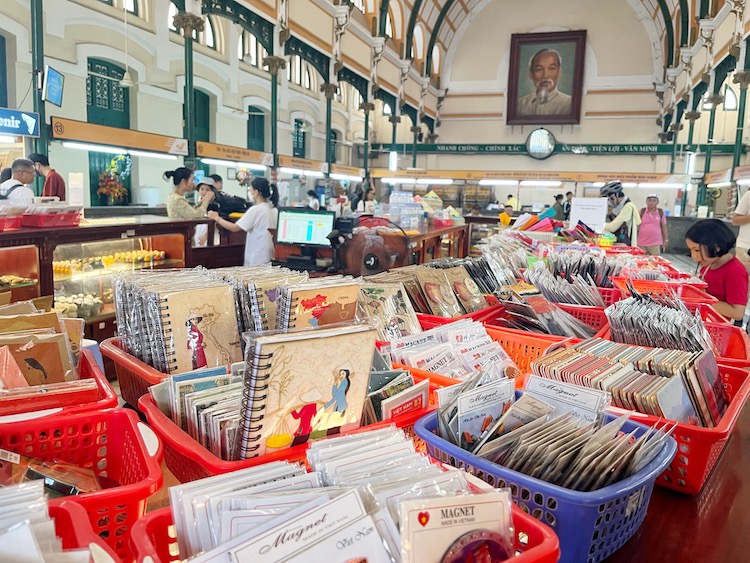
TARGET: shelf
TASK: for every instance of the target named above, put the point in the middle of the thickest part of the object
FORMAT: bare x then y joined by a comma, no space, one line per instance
17,286
119,267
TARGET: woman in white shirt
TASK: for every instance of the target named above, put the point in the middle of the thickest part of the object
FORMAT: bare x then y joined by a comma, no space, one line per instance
312,200
367,203
255,222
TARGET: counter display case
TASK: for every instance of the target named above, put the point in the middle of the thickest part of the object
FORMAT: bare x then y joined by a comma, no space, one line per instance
82,272
481,227
19,272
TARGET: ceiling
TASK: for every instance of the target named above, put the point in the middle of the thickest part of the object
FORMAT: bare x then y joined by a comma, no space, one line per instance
443,21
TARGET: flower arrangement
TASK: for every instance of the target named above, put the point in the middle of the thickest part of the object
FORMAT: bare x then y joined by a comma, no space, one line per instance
110,181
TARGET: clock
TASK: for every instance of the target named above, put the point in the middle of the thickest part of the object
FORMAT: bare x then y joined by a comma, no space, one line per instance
540,144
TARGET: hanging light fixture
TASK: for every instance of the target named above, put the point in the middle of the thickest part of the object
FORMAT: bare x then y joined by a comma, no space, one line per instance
126,81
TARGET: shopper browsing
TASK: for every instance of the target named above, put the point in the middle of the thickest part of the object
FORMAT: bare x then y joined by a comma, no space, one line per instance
711,242
741,218
256,222
568,204
15,190
623,218
653,237
558,207
177,206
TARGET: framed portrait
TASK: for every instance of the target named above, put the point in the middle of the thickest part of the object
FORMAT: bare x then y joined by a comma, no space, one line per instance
545,81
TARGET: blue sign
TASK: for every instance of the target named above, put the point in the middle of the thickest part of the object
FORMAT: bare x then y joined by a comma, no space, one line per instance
24,123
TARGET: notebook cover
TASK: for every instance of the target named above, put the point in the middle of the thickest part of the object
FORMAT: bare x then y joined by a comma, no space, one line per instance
303,385
200,328
43,358
388,306
314,307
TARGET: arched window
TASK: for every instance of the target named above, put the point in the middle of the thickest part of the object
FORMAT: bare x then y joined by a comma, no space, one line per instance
435,60
358,99
173,11
299,72
129,5
207,37
387,109
388,25
341,95
730,99
417,44
256,128
359,4
250,51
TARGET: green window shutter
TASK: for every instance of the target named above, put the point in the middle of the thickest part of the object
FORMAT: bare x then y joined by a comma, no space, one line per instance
298,139
202,127
256,129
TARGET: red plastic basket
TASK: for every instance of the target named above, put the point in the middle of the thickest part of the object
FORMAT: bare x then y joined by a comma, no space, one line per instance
524,347
12,222
634,250
732,343
189,461
610,295
708,313
49,404
688,293
73,528
592,316
698,448
133,375
115,444
50,220
154,538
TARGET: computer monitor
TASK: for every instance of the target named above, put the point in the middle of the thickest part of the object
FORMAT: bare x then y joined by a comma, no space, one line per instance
52,89
304,227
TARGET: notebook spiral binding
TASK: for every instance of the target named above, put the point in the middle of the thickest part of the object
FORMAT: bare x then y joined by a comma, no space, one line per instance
253,402
169,352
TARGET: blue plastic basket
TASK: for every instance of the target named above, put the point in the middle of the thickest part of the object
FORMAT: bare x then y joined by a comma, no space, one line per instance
590,525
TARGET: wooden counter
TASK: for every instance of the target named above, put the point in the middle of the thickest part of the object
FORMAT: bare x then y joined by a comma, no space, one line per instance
429,242
713,527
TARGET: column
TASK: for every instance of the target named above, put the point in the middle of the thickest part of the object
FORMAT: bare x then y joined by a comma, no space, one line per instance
415,132
691,116
187,22
714,100
329,89
275,64
367,107
395,120
675,128
41,144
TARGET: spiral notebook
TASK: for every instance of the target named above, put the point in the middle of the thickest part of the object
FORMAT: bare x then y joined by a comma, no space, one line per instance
319,303
199,328
303,385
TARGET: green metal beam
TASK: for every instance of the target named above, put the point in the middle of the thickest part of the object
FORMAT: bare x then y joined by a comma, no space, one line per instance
261,28
41,144
435,32
383,17
684,23
410,28
669,28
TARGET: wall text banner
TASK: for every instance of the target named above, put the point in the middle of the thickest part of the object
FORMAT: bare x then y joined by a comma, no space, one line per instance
226,152
582,149
19,123
302,163
71,130
476,175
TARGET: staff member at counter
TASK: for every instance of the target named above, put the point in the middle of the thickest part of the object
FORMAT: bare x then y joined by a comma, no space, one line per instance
177,206
255,222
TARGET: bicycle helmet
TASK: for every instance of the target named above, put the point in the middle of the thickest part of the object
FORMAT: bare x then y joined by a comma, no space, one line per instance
611,188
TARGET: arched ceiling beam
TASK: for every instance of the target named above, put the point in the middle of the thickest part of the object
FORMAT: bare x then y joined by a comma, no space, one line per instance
684,23
669,28
410,28
435,32
383,17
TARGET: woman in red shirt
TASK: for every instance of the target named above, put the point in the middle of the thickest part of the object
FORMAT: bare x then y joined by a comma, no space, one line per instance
711,243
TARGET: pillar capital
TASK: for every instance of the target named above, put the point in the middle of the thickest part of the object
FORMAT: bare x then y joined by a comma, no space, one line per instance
715,100
188,22
692,116
742,78
416,129
395,119
432,137
329,89
274,64
367,107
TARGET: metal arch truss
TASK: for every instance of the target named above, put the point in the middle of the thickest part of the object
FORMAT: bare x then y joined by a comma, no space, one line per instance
318,60
261,28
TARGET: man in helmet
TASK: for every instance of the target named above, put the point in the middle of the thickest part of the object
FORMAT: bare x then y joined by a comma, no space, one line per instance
624,217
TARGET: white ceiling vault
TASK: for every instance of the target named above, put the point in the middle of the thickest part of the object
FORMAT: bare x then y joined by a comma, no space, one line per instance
442,21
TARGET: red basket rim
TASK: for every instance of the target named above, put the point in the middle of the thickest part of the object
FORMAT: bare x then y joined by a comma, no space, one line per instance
112,349
73,526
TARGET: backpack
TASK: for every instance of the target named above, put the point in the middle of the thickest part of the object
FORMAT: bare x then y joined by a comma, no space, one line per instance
10,191
225,204
661,213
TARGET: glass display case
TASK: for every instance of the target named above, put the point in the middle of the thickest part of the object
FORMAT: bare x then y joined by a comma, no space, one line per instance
82,272
19,272
479,228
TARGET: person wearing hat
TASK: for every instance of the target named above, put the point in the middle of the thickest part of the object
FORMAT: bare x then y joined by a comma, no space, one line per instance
205,185
623,216
653,237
